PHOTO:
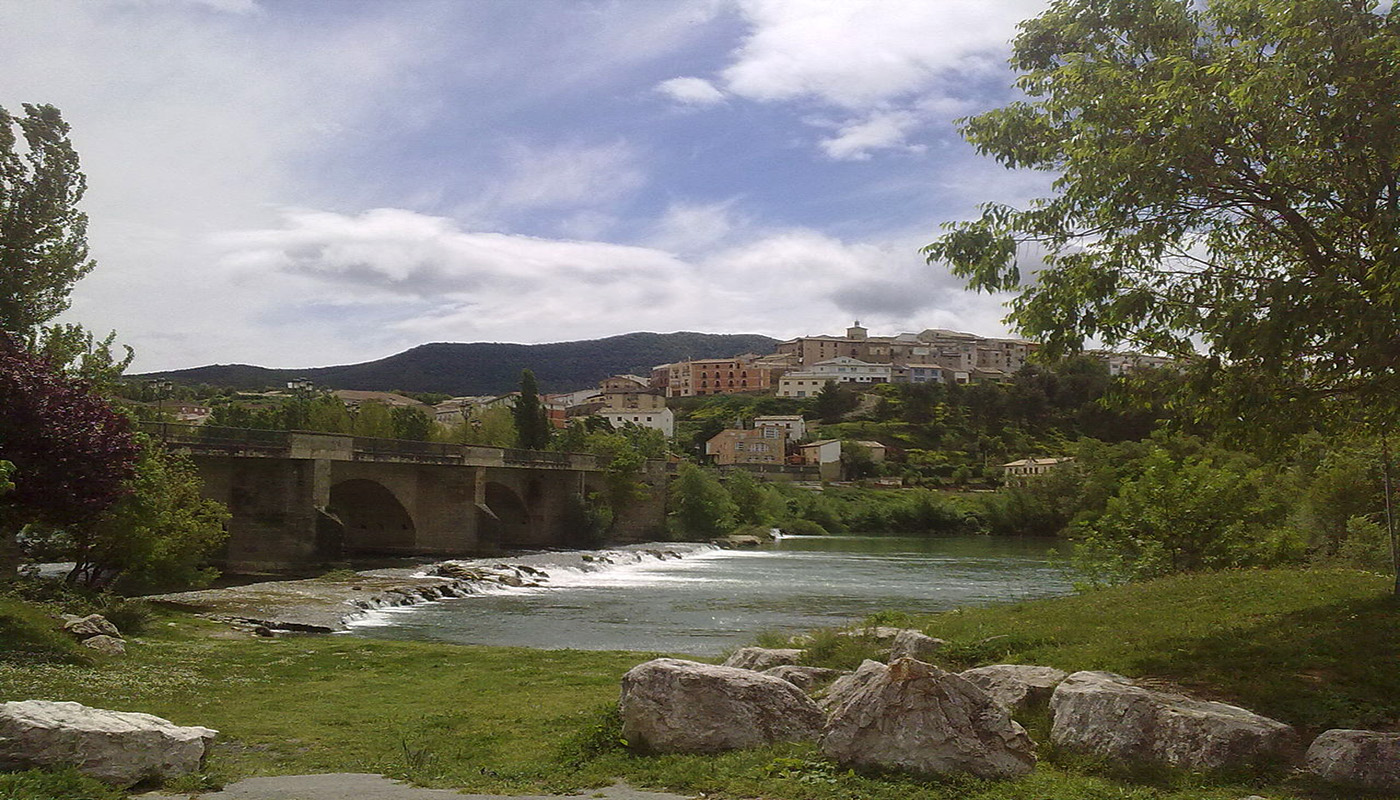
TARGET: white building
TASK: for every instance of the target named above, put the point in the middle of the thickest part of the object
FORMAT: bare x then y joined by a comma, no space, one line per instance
842,369
661,419
795,425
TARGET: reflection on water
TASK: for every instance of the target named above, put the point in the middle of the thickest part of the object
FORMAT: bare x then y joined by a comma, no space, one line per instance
720,599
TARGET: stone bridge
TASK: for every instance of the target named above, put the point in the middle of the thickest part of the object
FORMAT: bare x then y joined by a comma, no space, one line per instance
302,499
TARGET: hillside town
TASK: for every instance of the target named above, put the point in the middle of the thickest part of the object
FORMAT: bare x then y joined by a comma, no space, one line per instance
799,368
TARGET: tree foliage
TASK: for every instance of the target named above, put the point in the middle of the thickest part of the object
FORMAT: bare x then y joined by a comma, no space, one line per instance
699,506
531,427
72,453
158,536
43,235
1227,173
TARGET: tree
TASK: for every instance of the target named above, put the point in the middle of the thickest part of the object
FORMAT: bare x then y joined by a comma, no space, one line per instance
156,537
833,401
1227,174
531,426
412,423
72,453
699,505
43,235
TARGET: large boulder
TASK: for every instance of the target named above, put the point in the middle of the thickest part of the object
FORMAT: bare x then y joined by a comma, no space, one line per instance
803,677
1017,686
1362,759
917,718
106,645
851,683
117,747
761,658
1108,715
674,706
910,643
91,625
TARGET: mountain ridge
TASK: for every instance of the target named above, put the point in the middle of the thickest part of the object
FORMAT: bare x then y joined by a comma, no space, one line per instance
475,368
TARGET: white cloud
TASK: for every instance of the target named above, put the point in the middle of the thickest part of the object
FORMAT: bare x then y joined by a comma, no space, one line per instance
860,54
892,66
881,131
691,91
423,278
692,227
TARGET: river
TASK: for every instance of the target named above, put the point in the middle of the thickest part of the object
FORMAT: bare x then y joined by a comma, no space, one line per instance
714,600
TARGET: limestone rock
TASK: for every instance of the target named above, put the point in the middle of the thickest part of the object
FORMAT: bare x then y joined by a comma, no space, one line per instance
883,635
92,625
120,748
804,678
1108,715
910,643
850,684
918,718
761,658
1017,686
106,645
1362,759
674,706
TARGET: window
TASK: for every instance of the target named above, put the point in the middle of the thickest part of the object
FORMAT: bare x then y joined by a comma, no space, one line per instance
770,432
738,445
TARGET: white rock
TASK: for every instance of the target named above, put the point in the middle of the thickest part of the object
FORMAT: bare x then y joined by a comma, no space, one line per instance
1108,715
847,685
120,748
1363,759
917,718
803,677
910,643
1017,686
761,658
92,625
107,645
674,706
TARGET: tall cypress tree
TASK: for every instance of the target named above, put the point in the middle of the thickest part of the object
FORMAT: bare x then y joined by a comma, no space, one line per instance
531,427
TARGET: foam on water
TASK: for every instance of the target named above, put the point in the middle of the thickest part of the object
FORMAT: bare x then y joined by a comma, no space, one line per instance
608,569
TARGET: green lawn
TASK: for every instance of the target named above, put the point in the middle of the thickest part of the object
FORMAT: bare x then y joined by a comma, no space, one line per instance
1317,649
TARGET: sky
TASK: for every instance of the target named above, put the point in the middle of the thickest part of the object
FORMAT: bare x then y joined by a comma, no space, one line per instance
298,183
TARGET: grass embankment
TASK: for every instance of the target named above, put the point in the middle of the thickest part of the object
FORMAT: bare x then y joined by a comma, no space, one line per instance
1317,649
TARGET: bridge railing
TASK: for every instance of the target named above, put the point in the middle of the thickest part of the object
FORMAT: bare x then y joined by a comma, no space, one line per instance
265,442
215,436
437,451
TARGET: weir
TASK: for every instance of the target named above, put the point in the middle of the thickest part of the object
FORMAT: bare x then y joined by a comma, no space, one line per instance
301,499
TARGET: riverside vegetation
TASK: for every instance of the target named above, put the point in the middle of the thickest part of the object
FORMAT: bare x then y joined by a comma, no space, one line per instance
1314,648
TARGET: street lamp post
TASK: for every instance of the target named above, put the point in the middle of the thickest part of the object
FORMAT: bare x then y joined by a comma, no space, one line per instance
161,389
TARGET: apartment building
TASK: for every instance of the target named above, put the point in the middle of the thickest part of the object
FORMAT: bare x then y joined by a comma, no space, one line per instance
766,445
707,376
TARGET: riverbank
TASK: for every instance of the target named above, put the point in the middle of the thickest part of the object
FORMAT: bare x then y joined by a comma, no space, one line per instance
1316,649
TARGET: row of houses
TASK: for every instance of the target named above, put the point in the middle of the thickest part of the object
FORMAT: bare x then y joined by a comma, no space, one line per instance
802,366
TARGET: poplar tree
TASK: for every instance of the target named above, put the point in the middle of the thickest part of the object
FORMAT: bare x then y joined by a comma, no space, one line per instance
43,235
531,425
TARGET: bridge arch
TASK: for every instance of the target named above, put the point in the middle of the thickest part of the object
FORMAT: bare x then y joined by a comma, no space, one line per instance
509,518
373,519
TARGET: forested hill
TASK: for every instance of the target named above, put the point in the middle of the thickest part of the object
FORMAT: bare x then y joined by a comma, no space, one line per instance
491,368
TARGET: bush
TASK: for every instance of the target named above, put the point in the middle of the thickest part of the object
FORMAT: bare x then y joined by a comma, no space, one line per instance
803,527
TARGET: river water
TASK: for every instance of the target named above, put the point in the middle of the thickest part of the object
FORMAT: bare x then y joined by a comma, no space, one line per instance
713,600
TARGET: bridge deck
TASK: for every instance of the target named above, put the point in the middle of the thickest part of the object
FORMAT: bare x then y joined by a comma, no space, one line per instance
249,443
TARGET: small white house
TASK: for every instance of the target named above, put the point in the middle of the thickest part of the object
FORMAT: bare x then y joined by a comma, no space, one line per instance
661,419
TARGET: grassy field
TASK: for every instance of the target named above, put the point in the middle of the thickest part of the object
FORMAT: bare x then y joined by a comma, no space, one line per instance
1317,649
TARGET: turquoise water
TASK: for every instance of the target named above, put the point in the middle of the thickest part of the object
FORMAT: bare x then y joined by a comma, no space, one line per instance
715,600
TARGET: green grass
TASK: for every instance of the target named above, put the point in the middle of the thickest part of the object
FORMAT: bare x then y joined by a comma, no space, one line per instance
1314,648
